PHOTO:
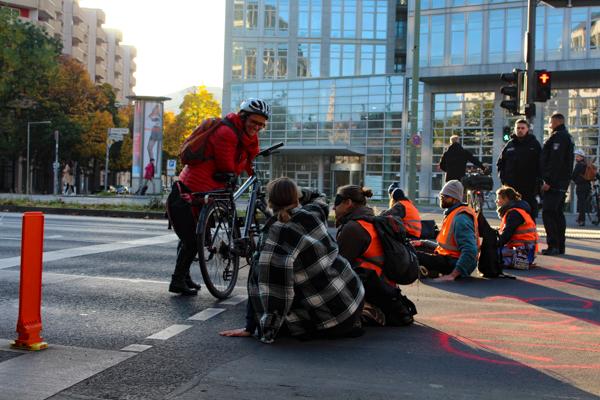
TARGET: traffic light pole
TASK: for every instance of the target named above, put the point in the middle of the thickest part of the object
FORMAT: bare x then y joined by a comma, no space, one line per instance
414,106
530,61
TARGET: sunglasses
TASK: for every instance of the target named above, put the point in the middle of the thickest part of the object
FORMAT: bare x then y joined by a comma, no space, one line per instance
338,200
256,124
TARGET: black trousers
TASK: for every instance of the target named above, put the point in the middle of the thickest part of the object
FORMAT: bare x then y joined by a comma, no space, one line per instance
435,262
184,224
553,215
582,203
533,204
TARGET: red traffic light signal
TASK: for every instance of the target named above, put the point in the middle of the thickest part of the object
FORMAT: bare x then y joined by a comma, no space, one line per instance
543,85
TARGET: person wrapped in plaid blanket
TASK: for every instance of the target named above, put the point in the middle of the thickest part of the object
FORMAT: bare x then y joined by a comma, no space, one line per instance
300,284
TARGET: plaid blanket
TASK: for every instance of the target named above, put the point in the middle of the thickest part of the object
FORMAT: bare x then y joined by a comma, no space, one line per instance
300,279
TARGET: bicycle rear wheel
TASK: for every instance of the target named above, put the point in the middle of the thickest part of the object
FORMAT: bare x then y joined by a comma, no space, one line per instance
218,263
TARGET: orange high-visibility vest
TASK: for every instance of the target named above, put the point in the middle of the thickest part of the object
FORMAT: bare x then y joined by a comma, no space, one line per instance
447,245
412,219
526,233
372,258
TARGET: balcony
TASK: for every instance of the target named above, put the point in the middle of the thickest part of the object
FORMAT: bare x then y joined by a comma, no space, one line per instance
100,36
101,52
77,14
79,33
100,18
79,55
119,53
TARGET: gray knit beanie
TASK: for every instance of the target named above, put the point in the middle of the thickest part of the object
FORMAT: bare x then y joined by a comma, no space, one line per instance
453,189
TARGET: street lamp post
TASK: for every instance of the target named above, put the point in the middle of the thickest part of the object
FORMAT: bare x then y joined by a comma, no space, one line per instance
56,186
28,189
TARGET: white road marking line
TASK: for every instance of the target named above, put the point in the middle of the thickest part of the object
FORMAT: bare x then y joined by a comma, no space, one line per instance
53,237
206,314
94,249
169,332
10,238
136,348
234,301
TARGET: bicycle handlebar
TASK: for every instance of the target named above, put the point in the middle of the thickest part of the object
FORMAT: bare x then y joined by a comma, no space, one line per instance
267,152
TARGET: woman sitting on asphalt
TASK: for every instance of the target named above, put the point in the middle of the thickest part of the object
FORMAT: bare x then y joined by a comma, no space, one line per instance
403,208
359,244
518,233
300,284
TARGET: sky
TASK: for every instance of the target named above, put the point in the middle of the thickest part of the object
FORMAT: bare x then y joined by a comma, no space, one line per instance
179,42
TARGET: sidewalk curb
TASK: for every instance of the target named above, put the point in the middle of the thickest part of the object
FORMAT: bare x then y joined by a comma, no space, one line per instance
88,212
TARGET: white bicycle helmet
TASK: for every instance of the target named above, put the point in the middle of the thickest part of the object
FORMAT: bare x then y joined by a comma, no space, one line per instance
256,106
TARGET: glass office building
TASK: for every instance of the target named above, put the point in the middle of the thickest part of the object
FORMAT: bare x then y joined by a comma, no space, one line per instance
336,72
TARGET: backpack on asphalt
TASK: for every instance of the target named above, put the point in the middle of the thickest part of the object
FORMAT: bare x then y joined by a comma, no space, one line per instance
590,172
400,258
193,147
489,263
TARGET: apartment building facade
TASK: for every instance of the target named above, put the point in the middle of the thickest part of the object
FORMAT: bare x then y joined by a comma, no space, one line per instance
337,74
84,38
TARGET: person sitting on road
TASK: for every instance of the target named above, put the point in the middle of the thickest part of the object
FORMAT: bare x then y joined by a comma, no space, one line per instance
359,244
457,243
229,151
518,238
403,208
299,283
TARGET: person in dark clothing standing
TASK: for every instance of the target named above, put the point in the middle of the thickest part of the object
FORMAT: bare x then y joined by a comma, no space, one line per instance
583,187
455,158
519,165
556,166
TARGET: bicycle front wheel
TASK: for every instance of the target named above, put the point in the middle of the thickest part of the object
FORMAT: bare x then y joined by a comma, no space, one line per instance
218,262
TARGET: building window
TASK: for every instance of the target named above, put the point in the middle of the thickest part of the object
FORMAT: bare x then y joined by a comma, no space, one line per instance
275,61
438,24
250,63
554,31
372,59
237,60
474,37
343,18
276,14
457,39
514,34
238,14
374,19
309,59
309,18
578,32
496,36
251,15
282,61
595,31
342,59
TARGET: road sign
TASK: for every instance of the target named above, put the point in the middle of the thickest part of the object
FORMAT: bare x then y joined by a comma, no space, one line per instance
171,167
116,134
416,139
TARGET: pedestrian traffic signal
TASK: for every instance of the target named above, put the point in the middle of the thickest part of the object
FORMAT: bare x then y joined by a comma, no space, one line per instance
543,85
506,132
512,92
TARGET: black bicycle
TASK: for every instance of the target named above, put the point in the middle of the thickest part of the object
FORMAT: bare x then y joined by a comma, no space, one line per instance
593,204
220,237
478,187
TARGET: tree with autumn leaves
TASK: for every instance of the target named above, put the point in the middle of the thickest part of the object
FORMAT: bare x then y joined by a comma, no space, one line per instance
196,107
37,83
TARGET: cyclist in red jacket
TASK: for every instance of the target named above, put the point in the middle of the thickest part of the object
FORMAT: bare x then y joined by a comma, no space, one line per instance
230,150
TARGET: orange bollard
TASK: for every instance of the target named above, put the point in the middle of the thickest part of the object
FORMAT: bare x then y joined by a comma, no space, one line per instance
29,324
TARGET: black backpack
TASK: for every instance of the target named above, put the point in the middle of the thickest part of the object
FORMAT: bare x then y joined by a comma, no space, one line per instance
489,263
400,258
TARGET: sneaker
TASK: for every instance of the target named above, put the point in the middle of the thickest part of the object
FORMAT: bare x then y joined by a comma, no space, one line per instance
372,315
551,251
424,272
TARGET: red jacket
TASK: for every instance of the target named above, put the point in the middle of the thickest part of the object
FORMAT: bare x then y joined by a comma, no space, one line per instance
225,155
149,171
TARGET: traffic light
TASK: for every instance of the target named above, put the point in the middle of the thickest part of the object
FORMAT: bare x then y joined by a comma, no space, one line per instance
512,92
543,85
506,132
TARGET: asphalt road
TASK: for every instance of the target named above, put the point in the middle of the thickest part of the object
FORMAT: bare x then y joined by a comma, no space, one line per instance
116,333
